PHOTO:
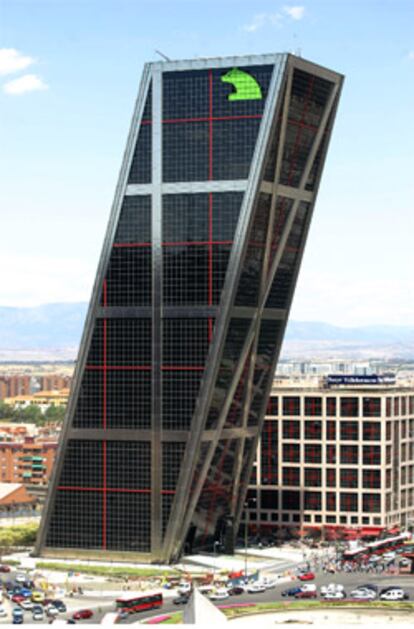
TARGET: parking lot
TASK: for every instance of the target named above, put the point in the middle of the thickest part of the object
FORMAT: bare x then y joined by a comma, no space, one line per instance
100,603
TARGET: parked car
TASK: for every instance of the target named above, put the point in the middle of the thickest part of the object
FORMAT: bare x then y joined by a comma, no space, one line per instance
37,612
182,599
82,614
5,568
60,606
17,616
335,596
219,595
236,590
3,612
256,588
25,592
20,577
38,597
17,598
306,576
363,595
331,588
184,587
51,611
308,587
394,595
26,605
306,594
291,591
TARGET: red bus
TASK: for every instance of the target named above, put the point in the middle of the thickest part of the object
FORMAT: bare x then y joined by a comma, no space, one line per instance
139,602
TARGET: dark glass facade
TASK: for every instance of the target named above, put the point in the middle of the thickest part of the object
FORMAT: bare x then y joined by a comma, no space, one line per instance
191,301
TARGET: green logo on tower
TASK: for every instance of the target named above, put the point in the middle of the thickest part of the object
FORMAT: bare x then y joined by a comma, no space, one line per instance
247,88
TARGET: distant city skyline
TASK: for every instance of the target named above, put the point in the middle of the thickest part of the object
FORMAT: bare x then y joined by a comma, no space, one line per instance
65,104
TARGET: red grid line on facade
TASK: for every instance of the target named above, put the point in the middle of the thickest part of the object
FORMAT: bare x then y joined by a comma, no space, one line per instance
206,118
114,490
118,368
210,201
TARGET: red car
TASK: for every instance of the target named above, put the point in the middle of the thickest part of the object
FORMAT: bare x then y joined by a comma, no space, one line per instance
306,594
17,598
4,568
306,576
82,614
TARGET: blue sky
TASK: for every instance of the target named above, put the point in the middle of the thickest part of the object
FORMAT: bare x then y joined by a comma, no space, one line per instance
66,98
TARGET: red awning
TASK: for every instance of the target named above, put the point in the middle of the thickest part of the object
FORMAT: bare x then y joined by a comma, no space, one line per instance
371,530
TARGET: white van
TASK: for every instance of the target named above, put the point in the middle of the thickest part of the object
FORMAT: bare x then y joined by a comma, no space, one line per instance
308,587
393,595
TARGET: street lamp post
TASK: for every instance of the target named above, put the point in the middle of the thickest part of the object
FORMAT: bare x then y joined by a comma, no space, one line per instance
246,532
246,528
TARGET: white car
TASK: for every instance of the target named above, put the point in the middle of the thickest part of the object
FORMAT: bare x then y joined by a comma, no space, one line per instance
184,588
52,611
393,595
20,577
331,588
219,595
255,588
363,594
3,612
308,587
334,596
269,583
26,605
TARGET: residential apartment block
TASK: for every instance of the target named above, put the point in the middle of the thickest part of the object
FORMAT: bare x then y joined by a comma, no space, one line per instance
27,461
338,454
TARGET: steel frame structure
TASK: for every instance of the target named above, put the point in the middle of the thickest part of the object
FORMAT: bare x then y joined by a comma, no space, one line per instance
214,474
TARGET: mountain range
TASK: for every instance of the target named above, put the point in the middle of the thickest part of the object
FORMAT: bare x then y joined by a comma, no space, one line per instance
56,329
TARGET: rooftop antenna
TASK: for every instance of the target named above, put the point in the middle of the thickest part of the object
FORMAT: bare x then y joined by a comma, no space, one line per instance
161,54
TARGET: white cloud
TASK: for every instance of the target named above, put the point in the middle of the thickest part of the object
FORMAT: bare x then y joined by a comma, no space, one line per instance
24,84
260,19
411,55
11,60
296,13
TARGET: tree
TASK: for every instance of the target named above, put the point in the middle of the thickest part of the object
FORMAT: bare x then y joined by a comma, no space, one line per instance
31,414
6,411
55,414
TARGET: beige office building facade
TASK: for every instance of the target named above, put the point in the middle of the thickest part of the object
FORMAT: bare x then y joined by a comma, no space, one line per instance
335,454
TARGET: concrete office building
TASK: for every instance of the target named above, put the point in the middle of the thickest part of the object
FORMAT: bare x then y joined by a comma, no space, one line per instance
336,455
190,303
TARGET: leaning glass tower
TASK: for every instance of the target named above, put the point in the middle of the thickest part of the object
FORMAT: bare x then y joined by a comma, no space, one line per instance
189,307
